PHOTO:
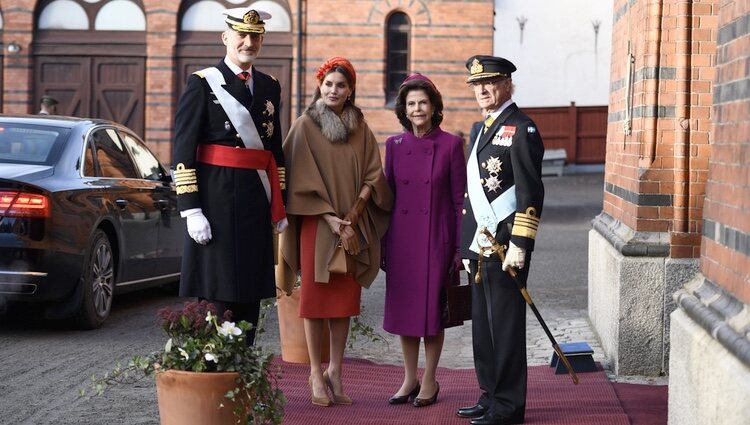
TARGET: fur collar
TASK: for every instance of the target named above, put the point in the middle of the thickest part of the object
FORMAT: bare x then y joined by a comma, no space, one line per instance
334,127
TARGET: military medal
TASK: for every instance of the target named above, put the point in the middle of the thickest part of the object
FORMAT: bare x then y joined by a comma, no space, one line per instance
493,165
492,184
504,135
269,109
269,128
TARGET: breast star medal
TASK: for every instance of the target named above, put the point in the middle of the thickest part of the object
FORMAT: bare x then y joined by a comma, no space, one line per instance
492,184
269,109
494,165
268,126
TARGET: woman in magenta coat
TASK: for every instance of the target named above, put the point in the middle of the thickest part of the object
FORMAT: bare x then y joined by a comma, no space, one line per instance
426,170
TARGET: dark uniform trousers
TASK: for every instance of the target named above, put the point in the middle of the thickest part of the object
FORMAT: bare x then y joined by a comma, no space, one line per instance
499,338
240,311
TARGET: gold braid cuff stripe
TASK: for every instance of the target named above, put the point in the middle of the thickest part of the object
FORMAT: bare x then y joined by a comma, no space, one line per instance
185,179
191,188
526,224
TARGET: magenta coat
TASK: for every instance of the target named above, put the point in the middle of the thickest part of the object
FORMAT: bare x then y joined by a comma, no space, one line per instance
428,178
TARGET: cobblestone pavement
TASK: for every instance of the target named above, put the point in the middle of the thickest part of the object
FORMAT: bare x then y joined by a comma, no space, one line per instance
557,284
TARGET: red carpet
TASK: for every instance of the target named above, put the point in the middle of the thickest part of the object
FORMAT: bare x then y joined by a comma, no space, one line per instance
645,404
551,399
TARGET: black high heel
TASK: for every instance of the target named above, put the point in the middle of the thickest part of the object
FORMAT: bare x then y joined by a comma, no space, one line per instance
422,402
403,399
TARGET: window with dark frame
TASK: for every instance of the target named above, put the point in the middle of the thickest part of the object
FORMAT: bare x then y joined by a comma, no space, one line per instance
397,54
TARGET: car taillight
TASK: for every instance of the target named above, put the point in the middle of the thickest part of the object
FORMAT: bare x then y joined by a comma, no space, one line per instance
21,204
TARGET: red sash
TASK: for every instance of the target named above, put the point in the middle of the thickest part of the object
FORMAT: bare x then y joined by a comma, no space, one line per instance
254,159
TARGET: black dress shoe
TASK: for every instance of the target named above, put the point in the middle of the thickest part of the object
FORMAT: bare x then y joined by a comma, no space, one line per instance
422,402
490,418
403,399
474,411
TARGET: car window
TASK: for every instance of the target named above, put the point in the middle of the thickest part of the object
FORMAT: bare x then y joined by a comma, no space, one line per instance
30,144
145,162
111,155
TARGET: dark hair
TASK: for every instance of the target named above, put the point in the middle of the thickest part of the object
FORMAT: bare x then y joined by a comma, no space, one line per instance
343,71
436,99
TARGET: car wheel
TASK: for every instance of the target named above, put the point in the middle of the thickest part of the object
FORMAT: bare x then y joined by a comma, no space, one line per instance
98,280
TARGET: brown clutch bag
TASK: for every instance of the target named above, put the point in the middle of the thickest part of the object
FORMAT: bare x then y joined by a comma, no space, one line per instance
341,262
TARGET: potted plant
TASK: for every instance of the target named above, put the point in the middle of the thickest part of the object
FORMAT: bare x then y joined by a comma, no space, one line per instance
206,373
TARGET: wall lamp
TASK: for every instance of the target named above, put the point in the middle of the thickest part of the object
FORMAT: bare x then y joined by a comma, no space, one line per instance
13,48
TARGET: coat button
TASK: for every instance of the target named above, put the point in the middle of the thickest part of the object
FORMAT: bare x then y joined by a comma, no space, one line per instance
425,211
408,152
466,195
426,181
428,151
404,211
463,211
237,136
405,181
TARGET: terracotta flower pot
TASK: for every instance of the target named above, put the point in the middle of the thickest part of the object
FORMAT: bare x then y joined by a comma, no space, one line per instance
292,331
194,398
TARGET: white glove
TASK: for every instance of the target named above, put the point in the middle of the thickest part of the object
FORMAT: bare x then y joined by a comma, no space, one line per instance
197,225
515,257
281,225
466,265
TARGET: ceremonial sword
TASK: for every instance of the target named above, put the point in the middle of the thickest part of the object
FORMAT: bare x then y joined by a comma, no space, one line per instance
499,250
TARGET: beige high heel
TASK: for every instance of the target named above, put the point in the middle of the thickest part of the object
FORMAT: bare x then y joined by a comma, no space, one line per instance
337,398
318,401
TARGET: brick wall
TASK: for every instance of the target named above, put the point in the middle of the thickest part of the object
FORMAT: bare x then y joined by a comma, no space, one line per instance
161,98
443,35
18,16
725,256
663,55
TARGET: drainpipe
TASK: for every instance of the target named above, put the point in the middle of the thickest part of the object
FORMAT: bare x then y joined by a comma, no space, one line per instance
648,149
682,115
300,67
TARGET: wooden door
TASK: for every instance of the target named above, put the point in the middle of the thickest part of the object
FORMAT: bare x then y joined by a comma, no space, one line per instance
95,87
118,91
66,78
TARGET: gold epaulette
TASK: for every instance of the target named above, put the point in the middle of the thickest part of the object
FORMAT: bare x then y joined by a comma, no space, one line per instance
185,179
282,177
526,224
199,73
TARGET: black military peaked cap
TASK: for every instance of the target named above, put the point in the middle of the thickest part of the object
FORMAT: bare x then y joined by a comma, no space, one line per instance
483,67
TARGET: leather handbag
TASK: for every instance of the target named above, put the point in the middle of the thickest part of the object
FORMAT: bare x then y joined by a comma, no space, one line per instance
341,262
456,302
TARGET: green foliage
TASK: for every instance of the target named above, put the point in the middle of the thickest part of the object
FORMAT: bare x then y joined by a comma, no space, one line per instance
200,341
360,328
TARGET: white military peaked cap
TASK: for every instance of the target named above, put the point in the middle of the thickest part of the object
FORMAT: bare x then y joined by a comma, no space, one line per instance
246,19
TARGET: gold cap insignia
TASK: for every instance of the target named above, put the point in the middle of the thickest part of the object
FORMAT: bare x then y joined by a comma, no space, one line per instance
251,17
476,67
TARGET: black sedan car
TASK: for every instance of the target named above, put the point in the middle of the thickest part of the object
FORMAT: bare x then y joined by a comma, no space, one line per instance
86,212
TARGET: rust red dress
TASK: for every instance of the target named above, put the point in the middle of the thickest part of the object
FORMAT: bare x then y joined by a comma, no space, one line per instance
338,298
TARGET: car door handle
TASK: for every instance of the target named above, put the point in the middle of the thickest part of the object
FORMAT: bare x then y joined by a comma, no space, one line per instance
122,203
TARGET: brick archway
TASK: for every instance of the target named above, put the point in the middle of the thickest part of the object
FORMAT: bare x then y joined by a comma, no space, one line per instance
417,11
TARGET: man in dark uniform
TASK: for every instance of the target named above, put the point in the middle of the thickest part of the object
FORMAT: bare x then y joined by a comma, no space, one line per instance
229,173
504,194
